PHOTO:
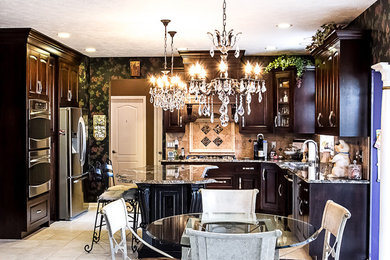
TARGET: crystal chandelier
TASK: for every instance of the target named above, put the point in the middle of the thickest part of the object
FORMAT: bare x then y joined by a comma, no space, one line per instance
223,86
168,92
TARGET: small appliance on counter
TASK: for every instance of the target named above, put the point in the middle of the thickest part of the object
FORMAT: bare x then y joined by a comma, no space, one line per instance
260,148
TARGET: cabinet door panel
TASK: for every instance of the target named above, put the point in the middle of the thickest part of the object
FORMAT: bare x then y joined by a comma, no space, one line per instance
174,121
261,116
269,189
74,85
64,75
33,64
43,75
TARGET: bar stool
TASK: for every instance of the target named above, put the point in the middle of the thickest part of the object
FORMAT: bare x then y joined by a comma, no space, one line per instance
129,193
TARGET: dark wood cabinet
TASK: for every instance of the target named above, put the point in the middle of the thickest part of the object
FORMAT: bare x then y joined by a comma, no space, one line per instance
284,85
260,120
37,73
309,200
174,121
30,65
275,190
68,83
304,103
342,85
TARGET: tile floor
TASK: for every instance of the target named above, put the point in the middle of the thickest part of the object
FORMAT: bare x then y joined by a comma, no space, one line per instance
66,240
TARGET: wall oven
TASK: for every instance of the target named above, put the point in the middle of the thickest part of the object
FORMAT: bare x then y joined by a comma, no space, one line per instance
39,144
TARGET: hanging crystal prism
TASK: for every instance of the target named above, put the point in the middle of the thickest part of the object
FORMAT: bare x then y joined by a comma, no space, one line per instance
263,88
200,109
236,113
241,107
260,97
212,51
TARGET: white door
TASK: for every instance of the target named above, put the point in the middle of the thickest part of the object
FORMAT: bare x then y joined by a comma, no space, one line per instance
128,132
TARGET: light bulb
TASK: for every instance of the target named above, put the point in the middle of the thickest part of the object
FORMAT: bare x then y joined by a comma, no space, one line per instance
257,69
192,70
160,82
152,80
248,68
223,67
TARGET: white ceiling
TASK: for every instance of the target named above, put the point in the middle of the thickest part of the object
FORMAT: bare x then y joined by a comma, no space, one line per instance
130,28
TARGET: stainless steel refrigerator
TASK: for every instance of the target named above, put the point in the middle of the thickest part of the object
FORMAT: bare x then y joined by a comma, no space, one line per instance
73,138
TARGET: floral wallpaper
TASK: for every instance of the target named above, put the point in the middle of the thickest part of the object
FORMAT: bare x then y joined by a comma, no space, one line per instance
102,71
377,19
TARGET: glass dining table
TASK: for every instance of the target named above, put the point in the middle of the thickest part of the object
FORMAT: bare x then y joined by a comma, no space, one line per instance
171,230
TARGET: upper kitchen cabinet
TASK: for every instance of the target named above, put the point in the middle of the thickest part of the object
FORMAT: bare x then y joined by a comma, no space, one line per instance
68,83
342,84
38,73
260,120
284,83
173,122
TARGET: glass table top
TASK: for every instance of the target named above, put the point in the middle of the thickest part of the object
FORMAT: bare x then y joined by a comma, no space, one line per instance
171,229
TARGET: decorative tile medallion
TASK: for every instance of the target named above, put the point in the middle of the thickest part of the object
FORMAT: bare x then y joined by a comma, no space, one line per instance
205,141
218,141
218,129
205,129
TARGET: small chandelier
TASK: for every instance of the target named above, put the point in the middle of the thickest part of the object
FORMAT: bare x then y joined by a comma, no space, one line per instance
168,92
223,86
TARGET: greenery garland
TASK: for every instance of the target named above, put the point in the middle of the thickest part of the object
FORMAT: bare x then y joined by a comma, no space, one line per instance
285,61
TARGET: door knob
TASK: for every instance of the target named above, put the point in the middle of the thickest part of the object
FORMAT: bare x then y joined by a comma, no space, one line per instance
113,151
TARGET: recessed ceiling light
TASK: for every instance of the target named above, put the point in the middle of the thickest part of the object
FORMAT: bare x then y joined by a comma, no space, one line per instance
284,25
90,49
270,48
63,35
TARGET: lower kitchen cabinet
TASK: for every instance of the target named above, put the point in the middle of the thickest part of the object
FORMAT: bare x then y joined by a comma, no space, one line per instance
309,200
275,190
274,195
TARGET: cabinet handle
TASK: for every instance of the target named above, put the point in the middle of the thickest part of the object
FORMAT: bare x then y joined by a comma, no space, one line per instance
263,174
331,114
39,211
69,95
279,190
243,121
318,120
275,121
287,178
306,189
39,87
300,208
248,168
181,121
239,183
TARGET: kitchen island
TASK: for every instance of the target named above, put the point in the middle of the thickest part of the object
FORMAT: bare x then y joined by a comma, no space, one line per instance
166,190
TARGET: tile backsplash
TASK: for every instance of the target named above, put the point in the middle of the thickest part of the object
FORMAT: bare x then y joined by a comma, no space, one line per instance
208,138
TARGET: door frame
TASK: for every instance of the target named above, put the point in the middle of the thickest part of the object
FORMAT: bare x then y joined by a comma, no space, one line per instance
144,125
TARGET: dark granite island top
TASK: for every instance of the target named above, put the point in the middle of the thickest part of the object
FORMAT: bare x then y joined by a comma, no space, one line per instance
166,174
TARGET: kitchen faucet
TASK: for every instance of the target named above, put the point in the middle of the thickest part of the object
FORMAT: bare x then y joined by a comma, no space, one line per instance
310,159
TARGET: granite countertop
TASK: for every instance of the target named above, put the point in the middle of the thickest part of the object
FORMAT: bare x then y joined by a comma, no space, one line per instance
294,167
166,174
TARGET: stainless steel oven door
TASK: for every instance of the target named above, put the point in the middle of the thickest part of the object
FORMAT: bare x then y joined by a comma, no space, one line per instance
39,124
39,172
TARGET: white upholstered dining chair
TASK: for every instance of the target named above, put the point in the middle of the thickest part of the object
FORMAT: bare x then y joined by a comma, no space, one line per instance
237,201
222,246
116,218
334,219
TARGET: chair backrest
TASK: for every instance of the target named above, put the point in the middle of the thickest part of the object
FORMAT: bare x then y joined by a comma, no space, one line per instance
115,215
334,219
221,246
238,201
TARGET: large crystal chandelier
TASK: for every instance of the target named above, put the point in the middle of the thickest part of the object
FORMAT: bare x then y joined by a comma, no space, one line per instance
168,92
223,86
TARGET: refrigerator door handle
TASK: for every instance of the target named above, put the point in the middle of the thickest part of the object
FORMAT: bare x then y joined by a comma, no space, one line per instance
82,140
